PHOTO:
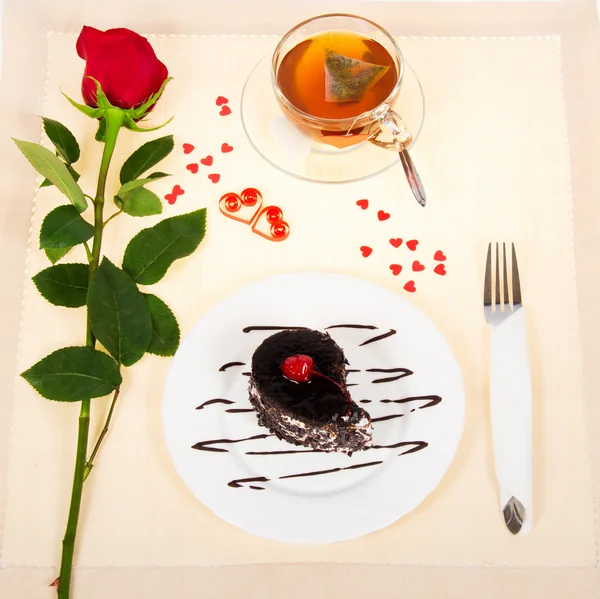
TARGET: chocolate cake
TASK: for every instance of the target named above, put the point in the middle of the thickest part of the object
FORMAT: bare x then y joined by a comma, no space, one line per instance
298,388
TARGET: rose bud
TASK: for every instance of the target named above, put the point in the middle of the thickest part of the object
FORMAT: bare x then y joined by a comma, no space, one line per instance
123,63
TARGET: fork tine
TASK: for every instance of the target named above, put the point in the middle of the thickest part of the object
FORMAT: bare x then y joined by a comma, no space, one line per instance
487,282
505,277
516,284
497,276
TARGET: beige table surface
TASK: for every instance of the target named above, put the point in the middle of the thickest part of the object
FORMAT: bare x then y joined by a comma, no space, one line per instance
21,94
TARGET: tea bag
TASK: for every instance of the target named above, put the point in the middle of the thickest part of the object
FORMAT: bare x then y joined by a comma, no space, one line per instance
348,79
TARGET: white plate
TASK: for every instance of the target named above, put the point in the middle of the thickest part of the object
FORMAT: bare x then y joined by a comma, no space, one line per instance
353,500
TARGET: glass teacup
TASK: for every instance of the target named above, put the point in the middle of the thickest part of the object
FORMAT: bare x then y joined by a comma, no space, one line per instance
372,117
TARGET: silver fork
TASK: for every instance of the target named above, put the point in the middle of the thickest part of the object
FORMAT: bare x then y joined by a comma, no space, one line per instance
510,389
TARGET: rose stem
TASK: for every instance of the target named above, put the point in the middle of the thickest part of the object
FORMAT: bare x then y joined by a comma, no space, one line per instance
114,120
344,391
90,462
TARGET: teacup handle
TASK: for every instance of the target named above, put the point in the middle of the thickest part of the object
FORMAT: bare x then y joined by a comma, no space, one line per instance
401,140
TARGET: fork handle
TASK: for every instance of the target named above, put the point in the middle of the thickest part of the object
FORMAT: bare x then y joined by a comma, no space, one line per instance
511,415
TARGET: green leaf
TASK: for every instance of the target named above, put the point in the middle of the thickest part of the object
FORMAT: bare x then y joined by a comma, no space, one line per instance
76,175
64,141
157,175
127,187
101,132
51,167
140,202
55,254
73,374
93,113
64,227
119,314
165,330
152,251
145,157
64,284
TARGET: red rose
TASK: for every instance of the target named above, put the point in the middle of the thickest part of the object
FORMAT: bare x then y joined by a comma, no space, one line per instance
123,62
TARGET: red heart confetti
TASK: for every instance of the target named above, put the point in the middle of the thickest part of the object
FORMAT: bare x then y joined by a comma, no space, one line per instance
396,242
439,256
222,100
188,148
417,266
226,148
396,269
382,215
172,197
364,204
440,269
366,250
214,177
410,287
225,111
412,245
193,167
207,161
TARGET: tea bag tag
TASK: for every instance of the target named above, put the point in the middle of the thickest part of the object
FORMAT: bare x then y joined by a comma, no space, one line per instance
348,79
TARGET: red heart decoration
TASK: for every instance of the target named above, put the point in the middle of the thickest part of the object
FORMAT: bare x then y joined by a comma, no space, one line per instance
417,266
410,287
397,242
270,224
366,250
364,204
396,269
440,269
207,161
225,111
214,177
381,215
242,207
172,197
226,148
193,167
188,148
222,100
412,245
439,255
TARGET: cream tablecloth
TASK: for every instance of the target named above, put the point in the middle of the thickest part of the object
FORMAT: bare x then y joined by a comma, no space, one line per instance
143,534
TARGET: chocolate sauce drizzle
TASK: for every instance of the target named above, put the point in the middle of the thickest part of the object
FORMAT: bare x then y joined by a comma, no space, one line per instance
370,327
389,379
379,337
207,445
433,400
415,446
268,328
211,446
213,401
389,370
408,447
230,364
237,483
